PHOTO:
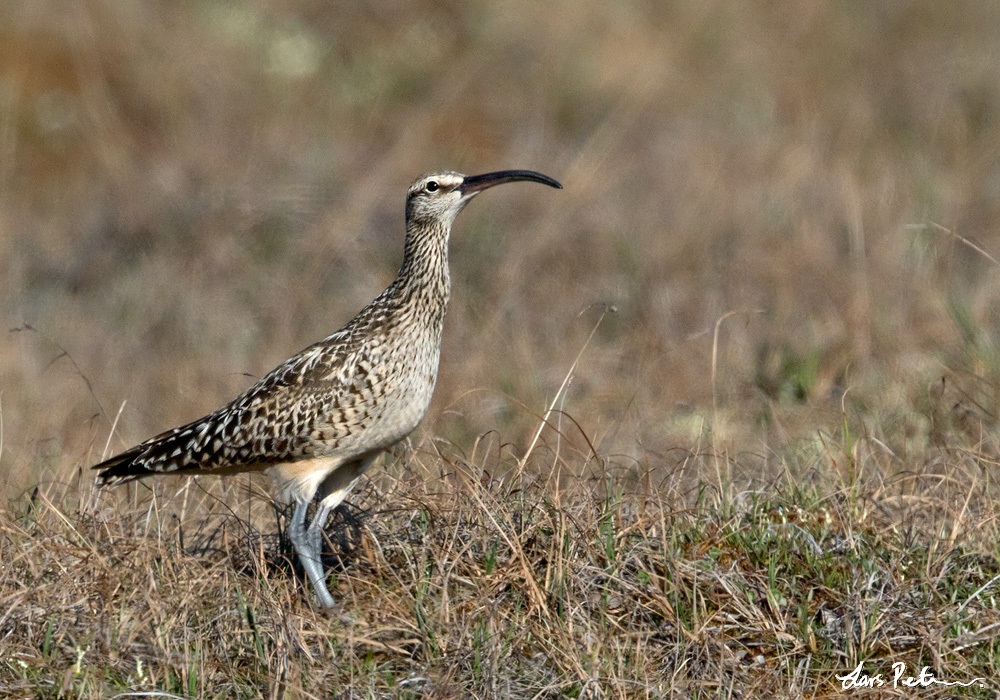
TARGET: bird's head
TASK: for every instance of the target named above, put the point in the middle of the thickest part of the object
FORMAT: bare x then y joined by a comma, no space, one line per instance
438,197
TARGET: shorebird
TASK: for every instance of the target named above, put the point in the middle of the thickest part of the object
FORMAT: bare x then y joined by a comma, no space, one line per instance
317,421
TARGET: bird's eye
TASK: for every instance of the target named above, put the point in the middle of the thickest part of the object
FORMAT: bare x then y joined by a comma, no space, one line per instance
432,186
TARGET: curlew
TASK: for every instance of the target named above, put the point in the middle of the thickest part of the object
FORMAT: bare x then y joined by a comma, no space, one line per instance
317,421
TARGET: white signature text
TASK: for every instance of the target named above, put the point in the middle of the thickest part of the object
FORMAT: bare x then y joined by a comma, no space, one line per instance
859,679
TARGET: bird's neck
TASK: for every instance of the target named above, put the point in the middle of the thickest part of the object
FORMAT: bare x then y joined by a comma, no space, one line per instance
423,276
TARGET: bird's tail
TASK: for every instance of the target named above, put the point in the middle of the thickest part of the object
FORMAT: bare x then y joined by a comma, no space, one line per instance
122,468
181,449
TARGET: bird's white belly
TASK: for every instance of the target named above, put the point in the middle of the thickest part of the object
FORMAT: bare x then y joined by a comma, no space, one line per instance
297,481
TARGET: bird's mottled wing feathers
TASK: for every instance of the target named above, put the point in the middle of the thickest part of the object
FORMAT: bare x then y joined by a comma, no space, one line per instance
304,408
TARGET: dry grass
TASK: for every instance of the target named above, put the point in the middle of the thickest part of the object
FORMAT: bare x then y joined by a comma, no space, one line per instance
774,461
463,584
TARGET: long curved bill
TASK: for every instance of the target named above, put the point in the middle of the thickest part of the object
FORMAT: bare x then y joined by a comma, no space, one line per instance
478,183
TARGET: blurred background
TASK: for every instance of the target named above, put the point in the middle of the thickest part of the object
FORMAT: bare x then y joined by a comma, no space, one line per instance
793,207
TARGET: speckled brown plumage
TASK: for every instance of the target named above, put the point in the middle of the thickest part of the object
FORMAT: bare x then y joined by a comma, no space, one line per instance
318,420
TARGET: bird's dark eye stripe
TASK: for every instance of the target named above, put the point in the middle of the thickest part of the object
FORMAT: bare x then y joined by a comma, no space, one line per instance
432,186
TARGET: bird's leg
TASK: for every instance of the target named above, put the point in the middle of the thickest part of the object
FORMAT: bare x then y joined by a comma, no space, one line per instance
309,542
307,546
315,532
